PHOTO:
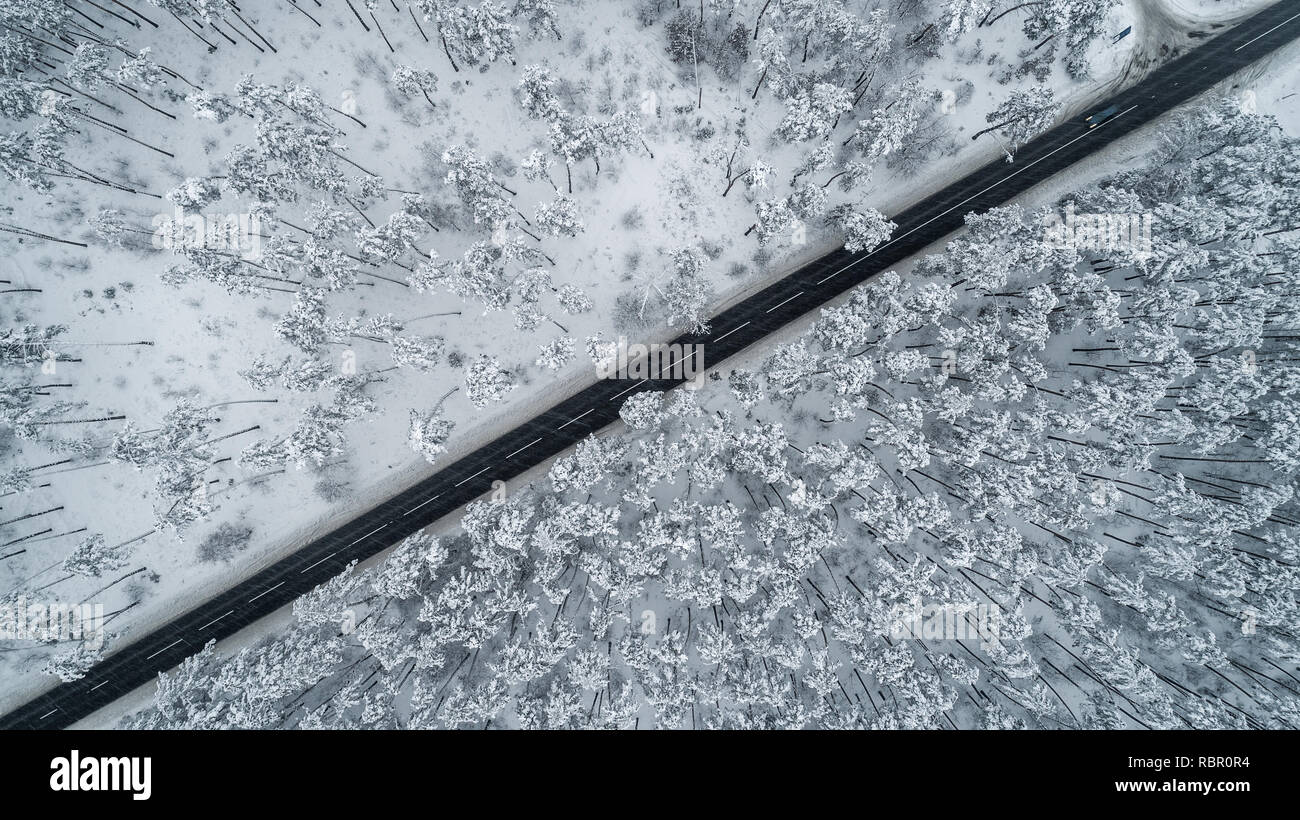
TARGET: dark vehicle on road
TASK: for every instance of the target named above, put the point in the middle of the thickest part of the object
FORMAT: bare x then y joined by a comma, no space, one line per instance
1101,116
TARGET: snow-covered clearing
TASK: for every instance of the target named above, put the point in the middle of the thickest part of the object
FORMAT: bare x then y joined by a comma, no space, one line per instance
1130,521
337,106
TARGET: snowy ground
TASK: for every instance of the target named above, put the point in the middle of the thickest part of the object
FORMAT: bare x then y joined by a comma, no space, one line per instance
1015,561
201,337
1271,85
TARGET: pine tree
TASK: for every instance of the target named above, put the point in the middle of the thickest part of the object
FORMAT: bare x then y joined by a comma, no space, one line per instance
540,15
486,382
537,95
888,129
304,324
560,218
411,81
960,16
814,112
88,68
93,557
1022,116
556,353
689,292
477,188
862,230
420,352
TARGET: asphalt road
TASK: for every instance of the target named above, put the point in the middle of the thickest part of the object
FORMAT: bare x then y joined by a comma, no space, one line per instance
596,406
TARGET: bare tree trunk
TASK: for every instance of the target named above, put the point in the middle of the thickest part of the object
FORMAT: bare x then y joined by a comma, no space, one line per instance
759,19
447,50
358,16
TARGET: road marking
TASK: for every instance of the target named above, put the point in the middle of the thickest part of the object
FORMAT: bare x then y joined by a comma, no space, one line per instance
313,566
521,449
634,385
213,621
774,307
669,366
96,686
1270,31
657,375
876,250
47,714
421,504
164,649
733,330
571,421
367,535
463,480
260,594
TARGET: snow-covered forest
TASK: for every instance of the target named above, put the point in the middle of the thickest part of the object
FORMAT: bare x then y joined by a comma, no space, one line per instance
266,263
1096,451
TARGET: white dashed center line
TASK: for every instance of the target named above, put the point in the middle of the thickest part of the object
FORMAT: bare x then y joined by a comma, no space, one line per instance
733,330
164,649
571,421
463,480
367,535
774,307
264,592
313,566
621,392
1270,31
421,504
525,447
213,621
